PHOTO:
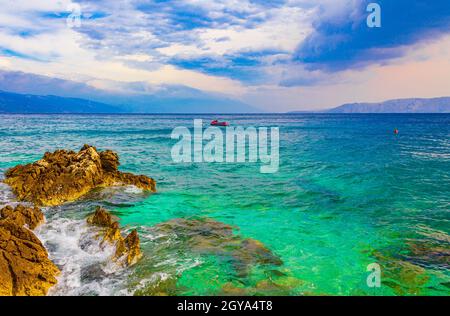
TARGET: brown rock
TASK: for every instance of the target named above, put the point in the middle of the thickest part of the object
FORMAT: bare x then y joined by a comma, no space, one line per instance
64,176
128,249
133,245
22,215
24,265
112,233
110,160
101,218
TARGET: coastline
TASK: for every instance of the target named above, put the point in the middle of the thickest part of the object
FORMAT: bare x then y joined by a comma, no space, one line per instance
307,213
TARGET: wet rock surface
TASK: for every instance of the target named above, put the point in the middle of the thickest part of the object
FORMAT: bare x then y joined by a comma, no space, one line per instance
65,175
22,215
25,268
128,250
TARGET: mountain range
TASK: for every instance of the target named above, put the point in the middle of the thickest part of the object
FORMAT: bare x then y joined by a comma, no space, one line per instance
31,93
415,105
29,103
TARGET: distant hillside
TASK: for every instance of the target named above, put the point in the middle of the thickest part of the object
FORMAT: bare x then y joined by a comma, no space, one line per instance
167,98
435,105
195,103
27,103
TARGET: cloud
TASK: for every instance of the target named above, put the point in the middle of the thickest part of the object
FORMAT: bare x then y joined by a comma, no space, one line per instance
136,97
280,53
342,40
197,35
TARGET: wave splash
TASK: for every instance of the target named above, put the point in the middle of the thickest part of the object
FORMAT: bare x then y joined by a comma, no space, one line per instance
85,264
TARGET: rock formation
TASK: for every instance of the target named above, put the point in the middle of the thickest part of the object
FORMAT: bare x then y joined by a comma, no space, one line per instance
64,176
128,250
25,268
211,237
21,215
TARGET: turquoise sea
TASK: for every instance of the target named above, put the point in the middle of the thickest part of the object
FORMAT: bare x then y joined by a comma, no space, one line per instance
348,193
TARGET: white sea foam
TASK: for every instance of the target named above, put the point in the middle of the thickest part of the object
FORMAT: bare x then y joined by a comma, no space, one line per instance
6,194
131,189
85,264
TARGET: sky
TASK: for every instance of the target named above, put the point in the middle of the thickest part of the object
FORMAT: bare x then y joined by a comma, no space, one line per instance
277,56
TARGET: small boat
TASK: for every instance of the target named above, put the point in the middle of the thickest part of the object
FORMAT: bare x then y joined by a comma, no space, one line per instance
217,123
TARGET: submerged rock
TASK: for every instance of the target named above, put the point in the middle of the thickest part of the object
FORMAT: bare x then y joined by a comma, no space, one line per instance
207,236
25,268
160,287
403,277
429,253
65,175
128,250
280,286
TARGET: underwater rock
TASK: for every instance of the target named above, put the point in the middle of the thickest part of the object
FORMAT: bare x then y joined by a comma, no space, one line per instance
403,277
433,251
207,236
65,175
252,252
25,268
229,289
426,253
282,286
128,250
162,287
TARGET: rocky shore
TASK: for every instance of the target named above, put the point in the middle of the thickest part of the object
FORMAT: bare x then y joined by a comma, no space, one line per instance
25,268
59,177
64,176
128,250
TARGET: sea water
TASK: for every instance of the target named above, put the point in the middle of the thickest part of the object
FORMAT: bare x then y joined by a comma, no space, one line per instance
348,193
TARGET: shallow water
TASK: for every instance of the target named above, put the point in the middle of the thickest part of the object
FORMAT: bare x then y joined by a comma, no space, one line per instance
348,193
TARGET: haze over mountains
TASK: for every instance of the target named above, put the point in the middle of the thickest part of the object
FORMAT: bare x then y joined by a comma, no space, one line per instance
415,105
52,95
30,103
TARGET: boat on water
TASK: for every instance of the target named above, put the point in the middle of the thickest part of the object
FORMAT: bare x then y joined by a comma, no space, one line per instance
218,123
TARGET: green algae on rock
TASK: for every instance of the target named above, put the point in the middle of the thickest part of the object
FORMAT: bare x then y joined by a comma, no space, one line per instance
403,277
64,176
207,236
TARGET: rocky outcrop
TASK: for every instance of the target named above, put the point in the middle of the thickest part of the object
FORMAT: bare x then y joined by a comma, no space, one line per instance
25,268
22,215
208,236
128,250
65,175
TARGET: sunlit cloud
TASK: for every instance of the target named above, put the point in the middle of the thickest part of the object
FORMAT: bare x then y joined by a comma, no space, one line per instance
276,55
